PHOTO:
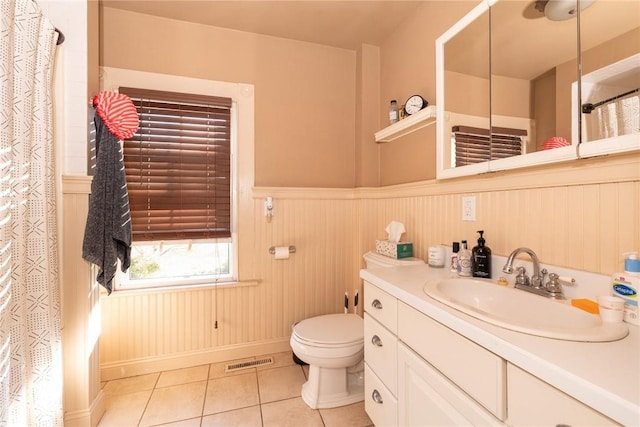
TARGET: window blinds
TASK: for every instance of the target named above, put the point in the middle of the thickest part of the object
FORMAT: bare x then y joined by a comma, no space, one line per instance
178,166
474,145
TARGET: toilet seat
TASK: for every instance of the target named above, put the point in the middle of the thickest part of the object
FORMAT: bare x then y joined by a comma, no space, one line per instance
331,330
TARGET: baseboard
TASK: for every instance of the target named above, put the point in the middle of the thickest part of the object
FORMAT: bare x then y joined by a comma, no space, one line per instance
130,368
87,417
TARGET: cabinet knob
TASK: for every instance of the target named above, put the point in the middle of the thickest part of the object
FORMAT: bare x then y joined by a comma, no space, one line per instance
375,340
376,396
376,304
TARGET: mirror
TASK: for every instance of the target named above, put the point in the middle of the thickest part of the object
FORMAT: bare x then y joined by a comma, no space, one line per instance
534,108
463,56
610,45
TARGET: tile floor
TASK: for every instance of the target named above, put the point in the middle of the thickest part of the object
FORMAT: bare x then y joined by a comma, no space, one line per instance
267,396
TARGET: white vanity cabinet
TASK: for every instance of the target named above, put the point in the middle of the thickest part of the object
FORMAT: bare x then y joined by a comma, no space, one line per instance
380,355
444,378
427,398
401,388
419,372
534,402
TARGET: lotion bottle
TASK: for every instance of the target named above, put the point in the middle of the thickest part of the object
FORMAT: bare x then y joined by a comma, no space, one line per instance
626,285
464,257
481,259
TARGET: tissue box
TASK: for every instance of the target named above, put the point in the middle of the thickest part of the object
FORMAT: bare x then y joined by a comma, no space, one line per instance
393,249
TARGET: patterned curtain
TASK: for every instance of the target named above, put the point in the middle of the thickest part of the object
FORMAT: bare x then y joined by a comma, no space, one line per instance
616,118
30,345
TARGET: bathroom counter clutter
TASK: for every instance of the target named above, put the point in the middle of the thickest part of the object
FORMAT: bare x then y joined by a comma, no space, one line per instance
604,376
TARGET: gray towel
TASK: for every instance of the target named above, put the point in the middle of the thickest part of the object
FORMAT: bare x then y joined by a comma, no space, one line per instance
107,235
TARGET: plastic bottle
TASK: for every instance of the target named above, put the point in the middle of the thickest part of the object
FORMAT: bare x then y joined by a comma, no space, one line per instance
464,256
481,259
626,286
393,112
454,263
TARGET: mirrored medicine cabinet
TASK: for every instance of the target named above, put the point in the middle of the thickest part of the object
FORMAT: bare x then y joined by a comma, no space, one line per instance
517,87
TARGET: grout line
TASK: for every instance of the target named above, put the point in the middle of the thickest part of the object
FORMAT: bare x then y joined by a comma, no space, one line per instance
259,400
206,389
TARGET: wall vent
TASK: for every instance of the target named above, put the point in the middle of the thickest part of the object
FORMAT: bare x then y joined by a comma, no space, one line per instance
232,367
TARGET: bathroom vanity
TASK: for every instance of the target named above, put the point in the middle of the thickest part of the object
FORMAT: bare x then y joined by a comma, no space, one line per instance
429,364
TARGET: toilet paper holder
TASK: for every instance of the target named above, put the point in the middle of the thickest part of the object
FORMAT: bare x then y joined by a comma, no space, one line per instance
272,250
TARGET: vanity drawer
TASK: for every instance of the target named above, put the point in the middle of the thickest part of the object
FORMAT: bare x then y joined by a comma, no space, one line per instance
379,403
527,394
381,306
381,352
477,371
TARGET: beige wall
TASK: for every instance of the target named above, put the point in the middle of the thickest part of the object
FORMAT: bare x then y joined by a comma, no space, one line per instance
407,67
305,93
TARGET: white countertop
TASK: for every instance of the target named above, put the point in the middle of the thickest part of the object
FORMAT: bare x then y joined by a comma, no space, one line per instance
604,376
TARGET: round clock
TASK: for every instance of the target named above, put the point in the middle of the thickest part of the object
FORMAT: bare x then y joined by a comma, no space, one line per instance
414,104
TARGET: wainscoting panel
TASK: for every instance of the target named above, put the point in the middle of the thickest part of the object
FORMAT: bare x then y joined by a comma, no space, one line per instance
580,217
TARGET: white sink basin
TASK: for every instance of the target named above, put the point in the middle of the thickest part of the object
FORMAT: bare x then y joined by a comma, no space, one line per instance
522,311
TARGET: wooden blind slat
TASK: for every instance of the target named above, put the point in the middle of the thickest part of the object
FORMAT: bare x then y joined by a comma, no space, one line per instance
475,145
178,166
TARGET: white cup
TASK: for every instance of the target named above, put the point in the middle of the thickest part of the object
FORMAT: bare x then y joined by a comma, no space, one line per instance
611,308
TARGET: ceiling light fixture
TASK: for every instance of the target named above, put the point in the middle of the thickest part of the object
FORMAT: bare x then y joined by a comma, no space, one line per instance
561,10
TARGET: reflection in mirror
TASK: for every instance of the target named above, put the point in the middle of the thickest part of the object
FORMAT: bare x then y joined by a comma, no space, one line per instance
533,64
610,42
467,94
531,91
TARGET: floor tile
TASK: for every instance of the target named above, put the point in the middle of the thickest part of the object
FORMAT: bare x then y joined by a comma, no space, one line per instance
245,417
280,383
179,402
124,410
229,393
263,396
183,376
346,416
130,385
290,413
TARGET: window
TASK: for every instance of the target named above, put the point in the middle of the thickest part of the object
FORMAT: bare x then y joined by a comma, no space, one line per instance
178,168
473,145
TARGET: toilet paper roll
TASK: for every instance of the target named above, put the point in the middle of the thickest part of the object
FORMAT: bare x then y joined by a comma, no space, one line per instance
282,252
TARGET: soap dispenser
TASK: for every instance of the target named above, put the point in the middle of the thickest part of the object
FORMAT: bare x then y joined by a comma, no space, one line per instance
481,259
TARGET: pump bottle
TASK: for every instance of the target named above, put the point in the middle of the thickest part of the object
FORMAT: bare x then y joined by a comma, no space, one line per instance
481,259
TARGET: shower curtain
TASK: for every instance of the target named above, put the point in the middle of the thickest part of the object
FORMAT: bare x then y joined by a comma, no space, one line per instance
30,344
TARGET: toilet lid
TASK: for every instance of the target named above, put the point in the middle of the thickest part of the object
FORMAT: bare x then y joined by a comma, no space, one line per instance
331,329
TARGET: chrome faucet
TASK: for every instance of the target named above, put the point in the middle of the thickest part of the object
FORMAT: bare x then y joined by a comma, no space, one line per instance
536,285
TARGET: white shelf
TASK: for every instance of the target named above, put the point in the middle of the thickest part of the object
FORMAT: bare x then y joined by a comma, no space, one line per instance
422,118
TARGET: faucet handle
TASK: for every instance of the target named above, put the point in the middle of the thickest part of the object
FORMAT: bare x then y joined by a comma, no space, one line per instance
522,278
554,286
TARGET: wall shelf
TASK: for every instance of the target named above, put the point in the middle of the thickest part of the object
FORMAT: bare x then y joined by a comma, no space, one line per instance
422,118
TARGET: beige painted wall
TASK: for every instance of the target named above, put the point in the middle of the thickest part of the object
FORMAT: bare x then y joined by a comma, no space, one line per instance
407,67
305,93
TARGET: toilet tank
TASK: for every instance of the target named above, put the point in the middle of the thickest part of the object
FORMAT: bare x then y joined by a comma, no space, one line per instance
372,259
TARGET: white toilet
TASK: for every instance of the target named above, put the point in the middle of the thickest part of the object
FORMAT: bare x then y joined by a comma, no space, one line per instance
333,346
